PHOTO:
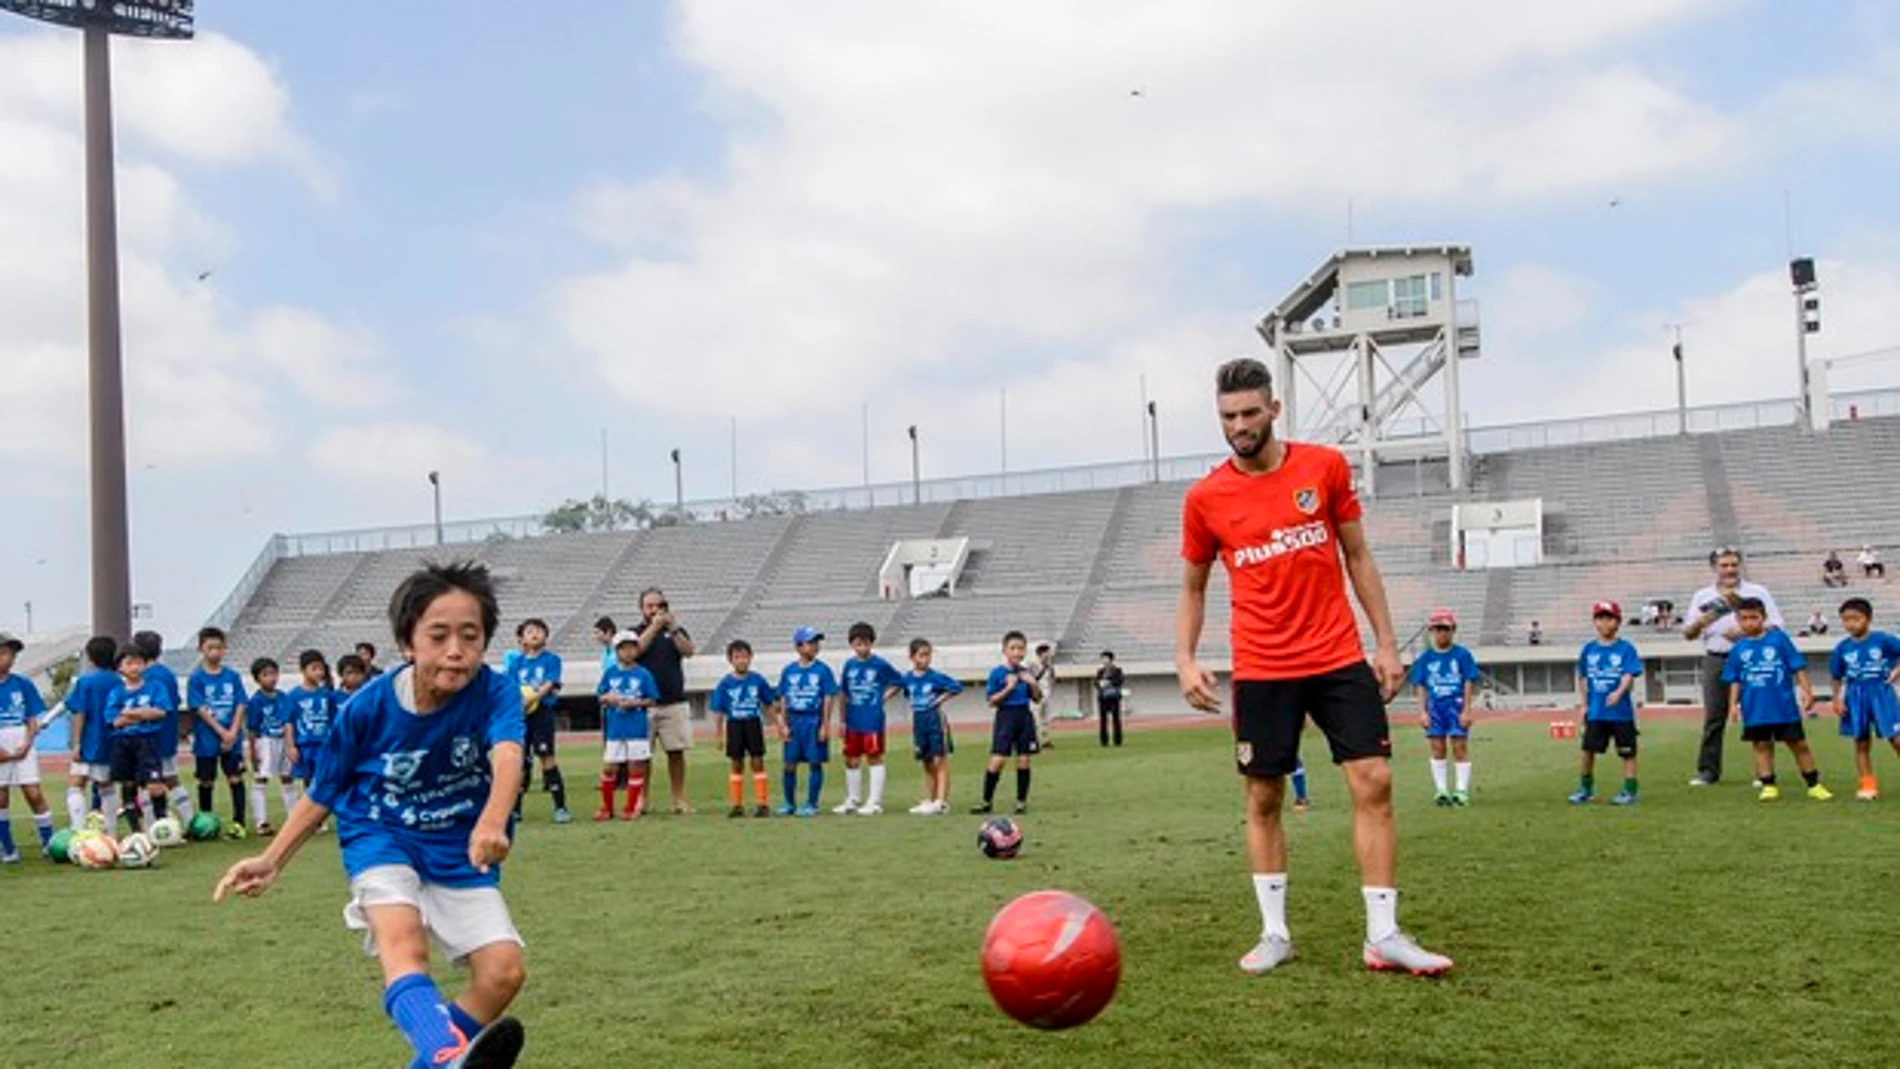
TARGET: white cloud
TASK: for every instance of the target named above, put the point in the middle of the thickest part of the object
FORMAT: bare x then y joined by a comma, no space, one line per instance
333,364
381,461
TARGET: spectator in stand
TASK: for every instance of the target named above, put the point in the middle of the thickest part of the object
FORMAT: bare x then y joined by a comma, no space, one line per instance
1711,621
1833,572
1816,625
1870,566
367,651
1537,633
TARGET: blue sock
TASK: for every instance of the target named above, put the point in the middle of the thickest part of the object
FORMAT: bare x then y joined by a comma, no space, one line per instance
1299,782
43,823
791,786
6,834
464,1020
414,1003
815,787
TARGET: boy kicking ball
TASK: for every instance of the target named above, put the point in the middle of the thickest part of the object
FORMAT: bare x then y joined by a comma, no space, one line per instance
1763,672
421,769
1865,667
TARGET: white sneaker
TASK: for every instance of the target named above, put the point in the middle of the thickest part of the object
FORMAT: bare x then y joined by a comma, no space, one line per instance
1398,953
1272,952
849,807
871,809
942,810
925,809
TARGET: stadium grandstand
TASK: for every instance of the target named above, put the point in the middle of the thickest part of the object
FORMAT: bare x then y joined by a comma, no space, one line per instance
1629,511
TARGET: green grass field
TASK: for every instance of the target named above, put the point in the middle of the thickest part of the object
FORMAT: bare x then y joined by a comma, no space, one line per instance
1697,929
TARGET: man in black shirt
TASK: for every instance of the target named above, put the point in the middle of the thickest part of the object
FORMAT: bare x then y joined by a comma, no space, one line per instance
664,645
1108,696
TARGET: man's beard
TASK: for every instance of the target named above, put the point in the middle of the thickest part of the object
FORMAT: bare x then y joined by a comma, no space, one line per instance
1266,438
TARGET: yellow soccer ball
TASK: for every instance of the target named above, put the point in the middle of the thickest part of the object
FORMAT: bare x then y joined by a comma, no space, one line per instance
530,699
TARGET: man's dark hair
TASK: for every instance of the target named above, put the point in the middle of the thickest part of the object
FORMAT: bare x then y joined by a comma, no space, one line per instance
416,593
1243,374
1859,605
606,623
262,665
310,657
1015,636
206,634
350,662
649,592
861,630
1719,552
150,644
102,651
736,645
532,621
1751,605
1110,654
366,650
918,645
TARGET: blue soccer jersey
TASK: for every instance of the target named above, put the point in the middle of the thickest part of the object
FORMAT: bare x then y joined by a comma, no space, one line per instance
1603,667
408,787
927,691
1765,667
805,687
1006,681
620,725
20,702
149,694
264,713
167,679
309,713
1441,675
742,697
1865,660
88,698
867,681
538,671
221,692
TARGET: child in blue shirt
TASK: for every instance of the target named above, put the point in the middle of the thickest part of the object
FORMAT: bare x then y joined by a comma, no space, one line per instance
740,701
309,709
151,646
421,769
626,692
928,689
1607,671
21,708
92,736
136,711
1447,678
1013,693
807,690
1865,666
1764,671
266,715
867,682
537,671
217,700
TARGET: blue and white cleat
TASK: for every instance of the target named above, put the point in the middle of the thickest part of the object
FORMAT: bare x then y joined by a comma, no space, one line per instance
1582,797
806,811
1624,798
785,810
1397,953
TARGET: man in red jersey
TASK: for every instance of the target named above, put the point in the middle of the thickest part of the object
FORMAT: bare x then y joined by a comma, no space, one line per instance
1280,516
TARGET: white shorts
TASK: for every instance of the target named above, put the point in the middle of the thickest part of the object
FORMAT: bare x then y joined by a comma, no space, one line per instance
623,750
168,767
461,920
270,758
91,773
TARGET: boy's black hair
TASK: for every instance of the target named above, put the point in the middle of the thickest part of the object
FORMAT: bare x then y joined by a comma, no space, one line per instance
350,662
1043,647
150,644
532,621
207,633
415,594
366,650
918,645
736,645
310,657
102,651
1110,654
606,623
861,630
1015,636
1751,605
130,651
262,665
1859,605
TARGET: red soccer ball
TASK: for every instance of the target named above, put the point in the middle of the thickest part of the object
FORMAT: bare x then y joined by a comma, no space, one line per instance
1051,960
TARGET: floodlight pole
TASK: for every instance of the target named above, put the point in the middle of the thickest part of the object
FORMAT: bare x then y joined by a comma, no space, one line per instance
435,487
916,479
111,543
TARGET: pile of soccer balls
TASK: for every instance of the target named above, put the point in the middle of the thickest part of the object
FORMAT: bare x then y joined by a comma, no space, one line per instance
93,847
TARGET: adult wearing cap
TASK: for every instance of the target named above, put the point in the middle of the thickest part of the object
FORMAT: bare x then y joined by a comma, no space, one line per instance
1711,621
664,647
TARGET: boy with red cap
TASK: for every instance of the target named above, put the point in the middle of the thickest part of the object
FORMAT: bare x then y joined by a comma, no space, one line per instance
1447,678
1607,670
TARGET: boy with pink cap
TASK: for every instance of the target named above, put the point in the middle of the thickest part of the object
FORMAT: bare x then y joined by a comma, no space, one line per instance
1447,678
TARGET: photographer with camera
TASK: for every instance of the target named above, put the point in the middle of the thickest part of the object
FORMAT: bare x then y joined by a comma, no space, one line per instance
1711,621
664,646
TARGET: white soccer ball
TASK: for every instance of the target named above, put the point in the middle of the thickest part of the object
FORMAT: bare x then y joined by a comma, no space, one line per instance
137,851
167,832
95,852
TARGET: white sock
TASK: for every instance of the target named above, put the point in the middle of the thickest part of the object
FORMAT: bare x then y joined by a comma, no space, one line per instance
43,822
1438,774
76,806
877,785
288,792
1463,769
1382,912
1269,888
145,809
853,779
181,804
259,817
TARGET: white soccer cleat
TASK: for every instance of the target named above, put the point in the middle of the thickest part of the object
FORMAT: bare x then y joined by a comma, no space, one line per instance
1398,953
925,809
1272,952
871,809
849,807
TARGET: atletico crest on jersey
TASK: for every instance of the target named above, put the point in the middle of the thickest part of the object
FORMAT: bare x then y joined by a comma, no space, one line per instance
1307,500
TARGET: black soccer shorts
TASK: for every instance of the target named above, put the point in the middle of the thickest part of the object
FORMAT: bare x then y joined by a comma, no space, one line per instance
1599,734
1345,705
231,761
745,738
540,729
1789,732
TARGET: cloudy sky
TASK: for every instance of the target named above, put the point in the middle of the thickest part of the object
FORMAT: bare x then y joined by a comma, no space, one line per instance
443,237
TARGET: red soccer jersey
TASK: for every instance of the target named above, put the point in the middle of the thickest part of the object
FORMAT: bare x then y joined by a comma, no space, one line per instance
1278,535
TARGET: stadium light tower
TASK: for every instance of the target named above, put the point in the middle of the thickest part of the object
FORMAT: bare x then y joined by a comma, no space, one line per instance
679,486
435,487
1154,437
916,482
98,20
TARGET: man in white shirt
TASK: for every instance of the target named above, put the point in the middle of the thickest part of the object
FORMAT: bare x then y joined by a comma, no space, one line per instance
1711,621
1870,566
